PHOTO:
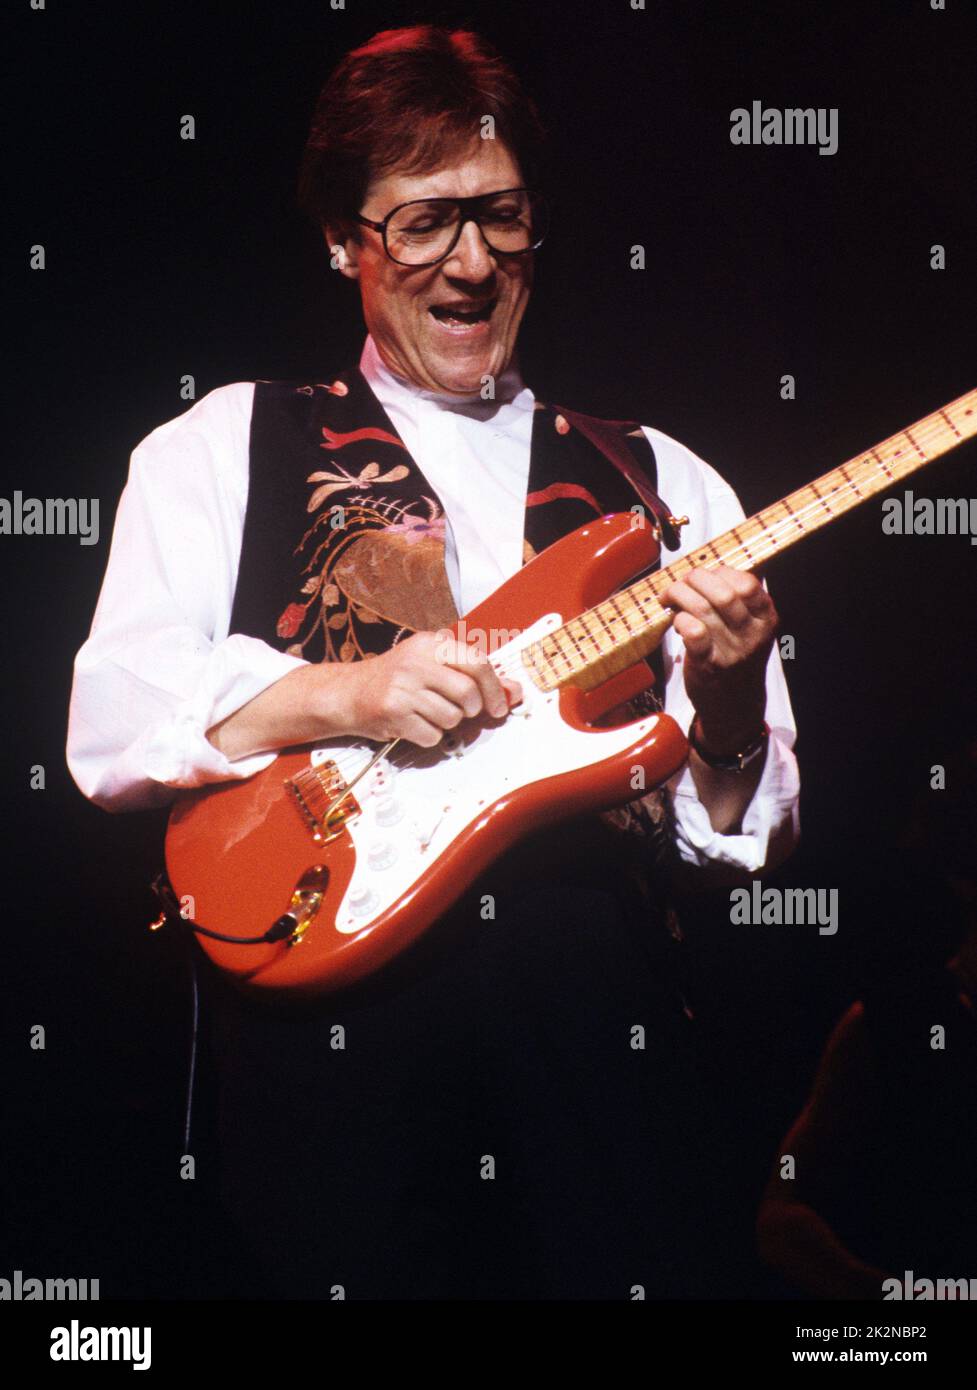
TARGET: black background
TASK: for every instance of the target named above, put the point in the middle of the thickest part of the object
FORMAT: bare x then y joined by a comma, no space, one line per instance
167,257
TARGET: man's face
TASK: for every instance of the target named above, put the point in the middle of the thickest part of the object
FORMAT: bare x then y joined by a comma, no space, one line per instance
397,300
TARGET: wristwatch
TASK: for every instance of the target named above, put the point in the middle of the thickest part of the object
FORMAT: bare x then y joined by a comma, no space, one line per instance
730,762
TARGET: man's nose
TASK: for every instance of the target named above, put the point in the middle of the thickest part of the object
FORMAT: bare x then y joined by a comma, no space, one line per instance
471,259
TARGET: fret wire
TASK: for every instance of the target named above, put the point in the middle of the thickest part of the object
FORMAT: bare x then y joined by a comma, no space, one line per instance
923,456
613,615
581,624
617,609
822,500
884,466
568,652
599,612
844,473
554,644
786,503
739,538
951,424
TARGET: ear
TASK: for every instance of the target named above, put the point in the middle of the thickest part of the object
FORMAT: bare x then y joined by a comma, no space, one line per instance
344,252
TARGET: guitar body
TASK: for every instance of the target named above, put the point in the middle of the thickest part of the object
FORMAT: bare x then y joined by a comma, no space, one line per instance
425,823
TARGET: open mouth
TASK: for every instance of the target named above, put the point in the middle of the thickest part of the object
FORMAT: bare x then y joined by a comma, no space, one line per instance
461,316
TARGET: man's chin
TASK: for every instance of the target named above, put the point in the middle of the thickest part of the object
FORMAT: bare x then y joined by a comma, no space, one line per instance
462,385
463,372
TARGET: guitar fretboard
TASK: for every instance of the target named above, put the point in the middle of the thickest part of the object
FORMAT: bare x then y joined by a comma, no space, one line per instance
625,627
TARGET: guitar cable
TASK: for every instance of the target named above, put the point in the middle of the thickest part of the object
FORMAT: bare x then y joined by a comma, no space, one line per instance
171,912
194,1032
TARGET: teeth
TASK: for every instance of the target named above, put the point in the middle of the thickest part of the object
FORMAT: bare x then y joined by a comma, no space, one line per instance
463,315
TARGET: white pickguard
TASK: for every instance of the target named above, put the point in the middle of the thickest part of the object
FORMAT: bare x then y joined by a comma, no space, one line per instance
420,800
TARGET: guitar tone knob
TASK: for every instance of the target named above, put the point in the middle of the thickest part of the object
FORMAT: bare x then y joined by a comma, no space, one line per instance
388,811
361,901
382,855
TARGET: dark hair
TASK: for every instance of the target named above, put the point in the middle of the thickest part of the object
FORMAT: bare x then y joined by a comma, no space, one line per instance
407,99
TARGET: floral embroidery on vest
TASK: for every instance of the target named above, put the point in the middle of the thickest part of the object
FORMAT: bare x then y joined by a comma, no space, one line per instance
370,558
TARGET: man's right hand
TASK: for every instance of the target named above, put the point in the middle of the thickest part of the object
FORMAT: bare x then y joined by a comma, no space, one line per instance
424,686
418,689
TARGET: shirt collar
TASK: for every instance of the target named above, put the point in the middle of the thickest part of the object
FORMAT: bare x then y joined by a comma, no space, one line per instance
387,385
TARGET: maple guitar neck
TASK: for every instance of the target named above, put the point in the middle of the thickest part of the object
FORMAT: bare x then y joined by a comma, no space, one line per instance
622,629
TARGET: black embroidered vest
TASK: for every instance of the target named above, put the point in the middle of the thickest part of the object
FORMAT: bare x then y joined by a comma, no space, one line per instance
343,546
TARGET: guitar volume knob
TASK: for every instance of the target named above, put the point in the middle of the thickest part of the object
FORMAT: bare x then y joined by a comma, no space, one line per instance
388,811
381,855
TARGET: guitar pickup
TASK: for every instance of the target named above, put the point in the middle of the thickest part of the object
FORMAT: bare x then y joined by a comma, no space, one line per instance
323,800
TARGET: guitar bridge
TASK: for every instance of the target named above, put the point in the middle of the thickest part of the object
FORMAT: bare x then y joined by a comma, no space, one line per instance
315,790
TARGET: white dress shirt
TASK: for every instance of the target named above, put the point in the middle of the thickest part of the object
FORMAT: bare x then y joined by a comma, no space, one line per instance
476,457
159,668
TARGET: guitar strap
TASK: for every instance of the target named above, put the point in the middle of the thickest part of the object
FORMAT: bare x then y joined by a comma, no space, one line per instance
611,438
608,436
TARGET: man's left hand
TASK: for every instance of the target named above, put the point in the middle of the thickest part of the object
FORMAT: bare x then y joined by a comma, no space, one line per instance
727,622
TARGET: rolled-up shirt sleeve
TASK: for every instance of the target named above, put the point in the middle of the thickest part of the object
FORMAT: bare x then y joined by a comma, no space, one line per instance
770,826
159,667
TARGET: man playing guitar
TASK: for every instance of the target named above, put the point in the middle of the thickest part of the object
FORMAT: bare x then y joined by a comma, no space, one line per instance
513,1108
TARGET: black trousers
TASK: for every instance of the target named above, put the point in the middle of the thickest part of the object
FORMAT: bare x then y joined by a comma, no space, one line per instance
515,1109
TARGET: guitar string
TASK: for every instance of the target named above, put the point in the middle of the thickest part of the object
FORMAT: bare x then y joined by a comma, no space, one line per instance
764,545
768,542
766,539
769,538
773,532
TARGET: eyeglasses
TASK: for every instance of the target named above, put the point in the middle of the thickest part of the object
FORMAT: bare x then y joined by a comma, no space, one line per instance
512,222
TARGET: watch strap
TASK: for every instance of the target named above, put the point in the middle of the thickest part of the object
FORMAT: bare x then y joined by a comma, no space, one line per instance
730,762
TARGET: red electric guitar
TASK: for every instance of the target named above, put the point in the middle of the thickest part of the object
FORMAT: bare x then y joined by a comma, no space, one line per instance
320,869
